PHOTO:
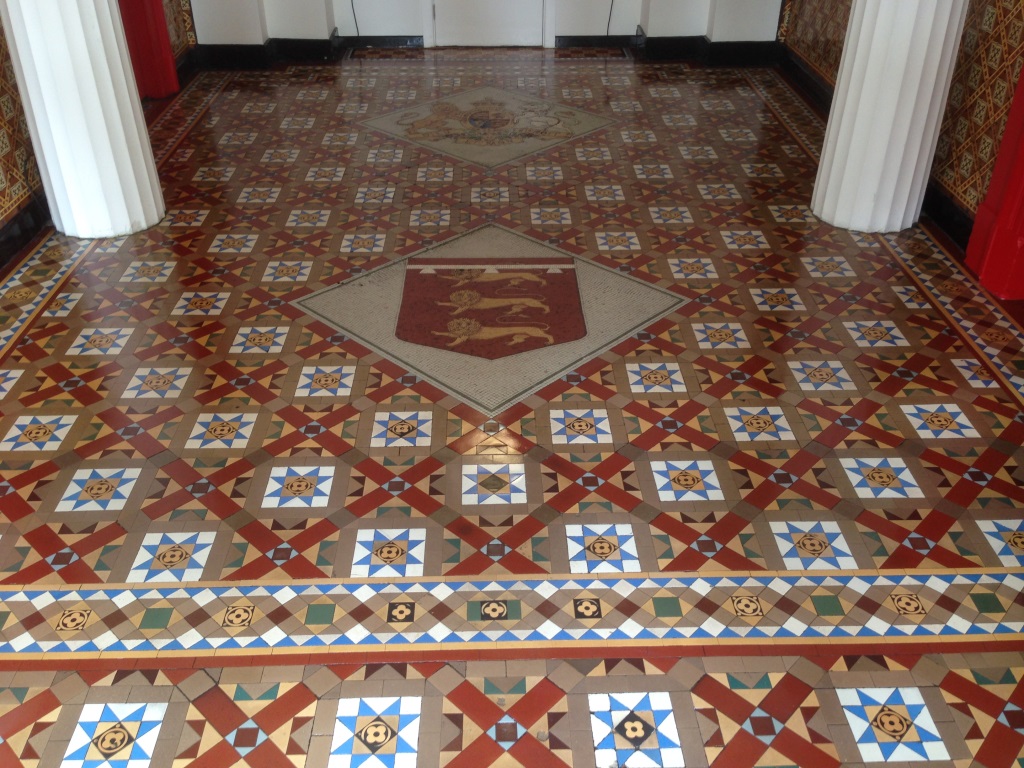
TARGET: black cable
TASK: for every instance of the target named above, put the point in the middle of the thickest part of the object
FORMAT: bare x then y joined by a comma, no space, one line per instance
356,18
608,29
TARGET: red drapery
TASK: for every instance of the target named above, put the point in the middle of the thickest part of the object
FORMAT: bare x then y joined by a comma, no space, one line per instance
996,249
149,44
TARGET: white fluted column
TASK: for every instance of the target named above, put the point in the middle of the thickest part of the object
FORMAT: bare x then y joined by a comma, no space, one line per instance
893,82
84,115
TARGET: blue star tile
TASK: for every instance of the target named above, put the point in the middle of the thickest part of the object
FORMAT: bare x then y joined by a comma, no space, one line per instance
687,481
821,375
389,553
875,333
580,427
299,487
493,484
759,424
376,733
882,479
100,341
326,381
401,429
892,724
652,378
940,420
8,378
115,736
221,430
721,336
1007,539
635,730
976,374
259,340
37,433
172,557
154,383
602,549
98,490
812,546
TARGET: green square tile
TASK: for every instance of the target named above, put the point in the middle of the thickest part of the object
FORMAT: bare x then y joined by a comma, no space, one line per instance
156,618
827,605
492,610
667,607
319,614
986,602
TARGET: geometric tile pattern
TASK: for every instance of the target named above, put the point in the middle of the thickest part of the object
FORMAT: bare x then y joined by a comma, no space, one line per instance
172,557
115,735
892,725
378,732
602,549
635,729
389,553
812,545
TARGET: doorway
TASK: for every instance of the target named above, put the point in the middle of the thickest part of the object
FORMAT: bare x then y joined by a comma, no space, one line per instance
489,22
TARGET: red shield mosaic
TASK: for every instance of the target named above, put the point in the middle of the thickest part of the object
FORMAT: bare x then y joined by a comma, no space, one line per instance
491,310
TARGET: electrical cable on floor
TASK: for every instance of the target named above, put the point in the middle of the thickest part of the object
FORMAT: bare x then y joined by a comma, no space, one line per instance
356,18
608,29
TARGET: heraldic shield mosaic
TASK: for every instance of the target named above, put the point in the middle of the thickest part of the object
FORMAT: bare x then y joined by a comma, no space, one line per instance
491,310
491,316
489,126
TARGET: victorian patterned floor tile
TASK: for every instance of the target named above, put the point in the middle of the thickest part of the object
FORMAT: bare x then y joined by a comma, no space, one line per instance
799,451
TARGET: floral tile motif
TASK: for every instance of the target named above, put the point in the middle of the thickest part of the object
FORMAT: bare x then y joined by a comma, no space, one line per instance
604,193
687,481
580,427
326,381
432,217
100,341
816,545
939,421
306,217
389,553
821,375
882,478
719,192
489,195
62,305
370,195
1007,540
299,487
382,155
679,121
670,214
654,378
37,433
977,374
363,243
98,490
185,217
221,430
653,171
693,269
759,424
602,549
548,216
635,730
792,214
172,557
401,429
234,243
286,156
201,303
892,725
911,297
638,136
287,271
592,154
763,170
381,732
446,174
493,484
321,173
115,736
876,333
721,336
214,173
157,383
745,240
777,300
263,340
618,241
698,153
148,272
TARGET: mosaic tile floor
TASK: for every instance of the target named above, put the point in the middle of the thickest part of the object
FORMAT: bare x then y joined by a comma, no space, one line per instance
237,530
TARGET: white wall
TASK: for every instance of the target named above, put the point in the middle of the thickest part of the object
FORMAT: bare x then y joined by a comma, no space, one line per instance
299,19
380,17
744,20
678,18
230,22
590,17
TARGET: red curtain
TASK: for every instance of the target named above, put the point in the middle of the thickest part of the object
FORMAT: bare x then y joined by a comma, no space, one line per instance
996,249
149,44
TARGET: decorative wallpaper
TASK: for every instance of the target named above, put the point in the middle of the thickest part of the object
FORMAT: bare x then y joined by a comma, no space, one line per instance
180,24
19,176
816,32
986,75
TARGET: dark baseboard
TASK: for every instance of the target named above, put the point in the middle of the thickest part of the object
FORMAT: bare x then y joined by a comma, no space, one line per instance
596,41
692,48
381,41
948,215
812,86
276,50
25,225
762,54
232,56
